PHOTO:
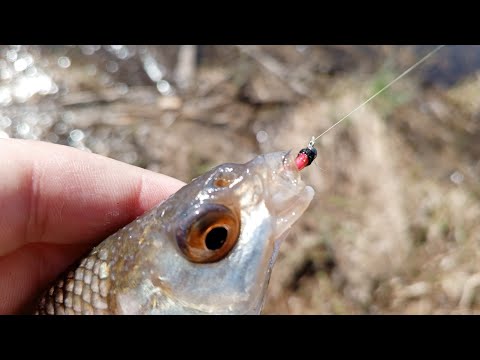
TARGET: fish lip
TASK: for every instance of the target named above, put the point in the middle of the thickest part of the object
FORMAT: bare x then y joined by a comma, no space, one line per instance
287,196
289,176
290,168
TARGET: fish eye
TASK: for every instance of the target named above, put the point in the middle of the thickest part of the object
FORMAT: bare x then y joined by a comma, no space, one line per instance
210,235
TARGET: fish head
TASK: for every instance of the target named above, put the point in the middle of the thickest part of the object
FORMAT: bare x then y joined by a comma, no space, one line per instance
220,234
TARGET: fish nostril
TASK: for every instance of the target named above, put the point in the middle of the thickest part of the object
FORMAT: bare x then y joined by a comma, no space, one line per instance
216,237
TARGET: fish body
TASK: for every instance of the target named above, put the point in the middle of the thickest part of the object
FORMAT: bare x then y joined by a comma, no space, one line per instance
207,249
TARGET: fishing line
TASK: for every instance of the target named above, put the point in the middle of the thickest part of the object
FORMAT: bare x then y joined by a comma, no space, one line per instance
307,155
382,89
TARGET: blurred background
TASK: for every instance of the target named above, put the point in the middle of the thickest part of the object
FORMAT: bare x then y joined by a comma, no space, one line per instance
394,226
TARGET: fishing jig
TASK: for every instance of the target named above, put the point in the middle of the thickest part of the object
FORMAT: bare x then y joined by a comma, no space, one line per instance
306,156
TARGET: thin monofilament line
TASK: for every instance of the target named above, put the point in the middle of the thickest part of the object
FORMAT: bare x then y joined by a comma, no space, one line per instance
383,89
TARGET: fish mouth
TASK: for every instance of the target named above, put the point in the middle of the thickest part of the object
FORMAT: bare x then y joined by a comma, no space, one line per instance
287,196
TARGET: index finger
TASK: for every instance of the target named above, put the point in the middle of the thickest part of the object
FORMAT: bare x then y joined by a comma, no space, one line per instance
60,195
55,203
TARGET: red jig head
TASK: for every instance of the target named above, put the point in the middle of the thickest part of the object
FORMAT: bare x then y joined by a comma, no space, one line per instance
306,156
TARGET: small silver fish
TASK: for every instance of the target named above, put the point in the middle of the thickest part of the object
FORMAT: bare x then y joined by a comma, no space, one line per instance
208,249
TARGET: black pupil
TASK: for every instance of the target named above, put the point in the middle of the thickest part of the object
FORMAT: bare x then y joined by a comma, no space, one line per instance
216,238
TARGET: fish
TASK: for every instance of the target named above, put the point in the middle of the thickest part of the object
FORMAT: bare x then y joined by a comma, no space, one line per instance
208,249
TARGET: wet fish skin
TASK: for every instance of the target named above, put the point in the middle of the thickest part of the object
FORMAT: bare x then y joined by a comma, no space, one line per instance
157,264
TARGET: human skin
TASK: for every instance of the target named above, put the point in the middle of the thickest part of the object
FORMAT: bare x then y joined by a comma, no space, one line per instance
56,202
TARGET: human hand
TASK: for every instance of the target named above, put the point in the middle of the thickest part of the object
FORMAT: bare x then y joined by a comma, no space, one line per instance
56,202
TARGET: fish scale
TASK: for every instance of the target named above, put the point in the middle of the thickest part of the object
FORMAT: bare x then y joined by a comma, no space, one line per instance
87,288
81,291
